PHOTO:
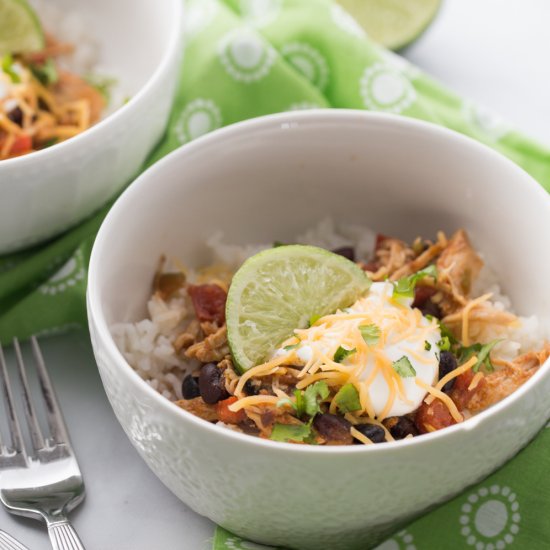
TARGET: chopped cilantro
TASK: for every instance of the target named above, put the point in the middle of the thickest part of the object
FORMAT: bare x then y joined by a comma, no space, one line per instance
446,333
313,395
404,287
347,399
103,84
444,344
277,244
403,367
49,142
313,319
45,72
427,345
7,68
341,353
370,333
482,351
307,402
291,347
290,432
299,403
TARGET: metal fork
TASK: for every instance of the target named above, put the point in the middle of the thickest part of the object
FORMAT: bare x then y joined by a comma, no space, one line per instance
48,484
7,542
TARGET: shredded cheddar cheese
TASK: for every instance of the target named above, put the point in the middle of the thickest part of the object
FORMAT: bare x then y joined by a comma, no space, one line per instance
478,377
389,436
361,437
466,316
253,400
46,112
313,351
438,394
450,376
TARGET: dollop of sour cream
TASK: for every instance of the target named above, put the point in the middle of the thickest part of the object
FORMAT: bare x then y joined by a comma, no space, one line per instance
403,332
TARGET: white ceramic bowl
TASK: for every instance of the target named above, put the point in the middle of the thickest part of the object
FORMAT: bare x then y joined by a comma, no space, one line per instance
43,193
271,178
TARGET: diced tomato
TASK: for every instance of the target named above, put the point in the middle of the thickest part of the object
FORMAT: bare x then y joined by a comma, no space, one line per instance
227,416
21,145
422,294
460,393
371,266
209,302
432,417
380,238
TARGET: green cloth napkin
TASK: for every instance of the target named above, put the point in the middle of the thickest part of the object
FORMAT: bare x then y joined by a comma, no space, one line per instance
508,510
246,58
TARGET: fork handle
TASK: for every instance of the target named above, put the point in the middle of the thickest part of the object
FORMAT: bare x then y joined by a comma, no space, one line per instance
63,536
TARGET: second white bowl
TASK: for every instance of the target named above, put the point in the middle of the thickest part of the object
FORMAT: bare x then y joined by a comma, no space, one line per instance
45,192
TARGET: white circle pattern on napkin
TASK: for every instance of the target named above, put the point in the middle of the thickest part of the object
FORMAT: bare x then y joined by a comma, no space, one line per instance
490,518
245,55
307,61
384,88
260,13
199,117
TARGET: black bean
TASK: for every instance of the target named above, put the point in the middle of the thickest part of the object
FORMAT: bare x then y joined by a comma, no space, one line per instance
335,429
401,426
431,308
250,388
447,364
16,116
43,105
190,387
211,384
375,433
346,251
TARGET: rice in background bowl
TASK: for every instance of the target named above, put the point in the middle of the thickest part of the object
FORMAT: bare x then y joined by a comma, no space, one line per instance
279,176
89,58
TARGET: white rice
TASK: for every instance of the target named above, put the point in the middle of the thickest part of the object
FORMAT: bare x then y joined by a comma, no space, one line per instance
324,234
529,335
147,345
69,25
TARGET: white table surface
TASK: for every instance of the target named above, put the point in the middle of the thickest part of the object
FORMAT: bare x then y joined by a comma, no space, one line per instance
493,51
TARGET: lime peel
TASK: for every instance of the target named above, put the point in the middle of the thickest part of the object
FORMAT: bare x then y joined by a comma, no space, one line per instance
20,28
281,289
393,23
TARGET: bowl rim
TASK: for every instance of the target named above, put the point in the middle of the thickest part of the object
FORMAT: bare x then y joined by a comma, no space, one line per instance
172,51
285,120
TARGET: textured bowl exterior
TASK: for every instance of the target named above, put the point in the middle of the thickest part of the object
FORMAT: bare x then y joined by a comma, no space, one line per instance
47,192
279,494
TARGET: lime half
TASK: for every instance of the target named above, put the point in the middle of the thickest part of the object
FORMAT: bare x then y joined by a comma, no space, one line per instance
281,289
393,23
20,28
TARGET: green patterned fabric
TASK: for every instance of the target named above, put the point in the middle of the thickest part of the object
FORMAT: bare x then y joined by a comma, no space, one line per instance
505,511
247,58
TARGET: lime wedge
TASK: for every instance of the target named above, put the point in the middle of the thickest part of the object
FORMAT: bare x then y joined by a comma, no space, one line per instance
393,23
281,289
20,28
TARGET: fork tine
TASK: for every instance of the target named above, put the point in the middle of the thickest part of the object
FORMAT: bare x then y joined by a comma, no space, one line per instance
13,423
58,429
34,428
7,542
